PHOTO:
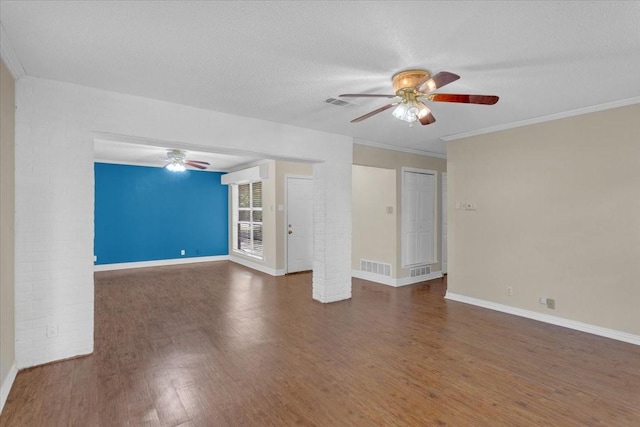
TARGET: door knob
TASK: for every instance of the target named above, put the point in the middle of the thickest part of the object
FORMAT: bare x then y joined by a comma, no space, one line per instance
290,232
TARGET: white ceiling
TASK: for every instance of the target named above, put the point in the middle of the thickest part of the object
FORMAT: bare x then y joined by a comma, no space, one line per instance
124,151
279,61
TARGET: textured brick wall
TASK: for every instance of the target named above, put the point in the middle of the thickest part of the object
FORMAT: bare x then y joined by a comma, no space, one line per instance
54,230
56,124
332,232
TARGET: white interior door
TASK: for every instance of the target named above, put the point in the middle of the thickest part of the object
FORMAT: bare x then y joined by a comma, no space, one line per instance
418,218
299,224
444,222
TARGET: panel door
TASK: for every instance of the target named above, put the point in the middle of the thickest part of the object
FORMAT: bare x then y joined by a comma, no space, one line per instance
299,225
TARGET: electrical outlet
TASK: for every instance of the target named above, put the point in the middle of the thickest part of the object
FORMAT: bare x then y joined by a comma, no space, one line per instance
551,303
182,252
510,290
542,301
52,331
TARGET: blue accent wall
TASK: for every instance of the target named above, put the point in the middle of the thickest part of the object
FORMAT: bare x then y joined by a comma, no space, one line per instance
145,213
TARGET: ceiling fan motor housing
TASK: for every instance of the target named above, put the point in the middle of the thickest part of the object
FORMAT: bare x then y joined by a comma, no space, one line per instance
176,155
409,79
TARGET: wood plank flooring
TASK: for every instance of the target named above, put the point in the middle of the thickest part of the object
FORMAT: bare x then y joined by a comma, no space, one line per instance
216,344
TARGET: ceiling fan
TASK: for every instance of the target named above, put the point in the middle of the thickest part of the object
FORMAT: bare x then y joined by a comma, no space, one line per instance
177,161
413,87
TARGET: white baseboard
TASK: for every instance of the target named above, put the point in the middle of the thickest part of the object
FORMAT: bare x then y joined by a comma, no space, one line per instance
158,263
256,266
332,298
5,387
390,281
546,318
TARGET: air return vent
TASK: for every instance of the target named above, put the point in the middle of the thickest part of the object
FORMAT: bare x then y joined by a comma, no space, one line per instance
375,267
421,271
338,102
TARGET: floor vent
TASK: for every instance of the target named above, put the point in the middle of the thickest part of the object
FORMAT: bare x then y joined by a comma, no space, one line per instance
375,267
421,271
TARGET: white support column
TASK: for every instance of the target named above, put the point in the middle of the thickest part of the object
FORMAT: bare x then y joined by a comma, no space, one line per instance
332,231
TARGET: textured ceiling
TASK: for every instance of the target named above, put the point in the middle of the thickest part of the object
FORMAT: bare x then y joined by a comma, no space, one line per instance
124,151
279,61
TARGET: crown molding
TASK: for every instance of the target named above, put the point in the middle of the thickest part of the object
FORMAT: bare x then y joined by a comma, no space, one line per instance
542,119
401,149
9,57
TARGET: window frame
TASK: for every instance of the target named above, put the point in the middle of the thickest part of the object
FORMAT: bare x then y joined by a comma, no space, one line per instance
255,250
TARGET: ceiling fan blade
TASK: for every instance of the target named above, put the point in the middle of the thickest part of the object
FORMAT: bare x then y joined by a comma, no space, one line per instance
428,119
374,112
366,95
195,165
464,99
200,161
443,78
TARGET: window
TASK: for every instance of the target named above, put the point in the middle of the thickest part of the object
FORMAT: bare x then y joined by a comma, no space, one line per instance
247,222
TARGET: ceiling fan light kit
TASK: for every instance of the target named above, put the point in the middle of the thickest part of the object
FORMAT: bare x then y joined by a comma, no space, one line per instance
415,86
177,162
176,167
411,111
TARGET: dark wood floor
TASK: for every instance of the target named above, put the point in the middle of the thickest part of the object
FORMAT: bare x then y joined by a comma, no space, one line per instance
217,344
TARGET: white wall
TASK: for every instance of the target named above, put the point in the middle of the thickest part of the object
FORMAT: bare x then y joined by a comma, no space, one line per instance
55,126
387,159
558,216
374,229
